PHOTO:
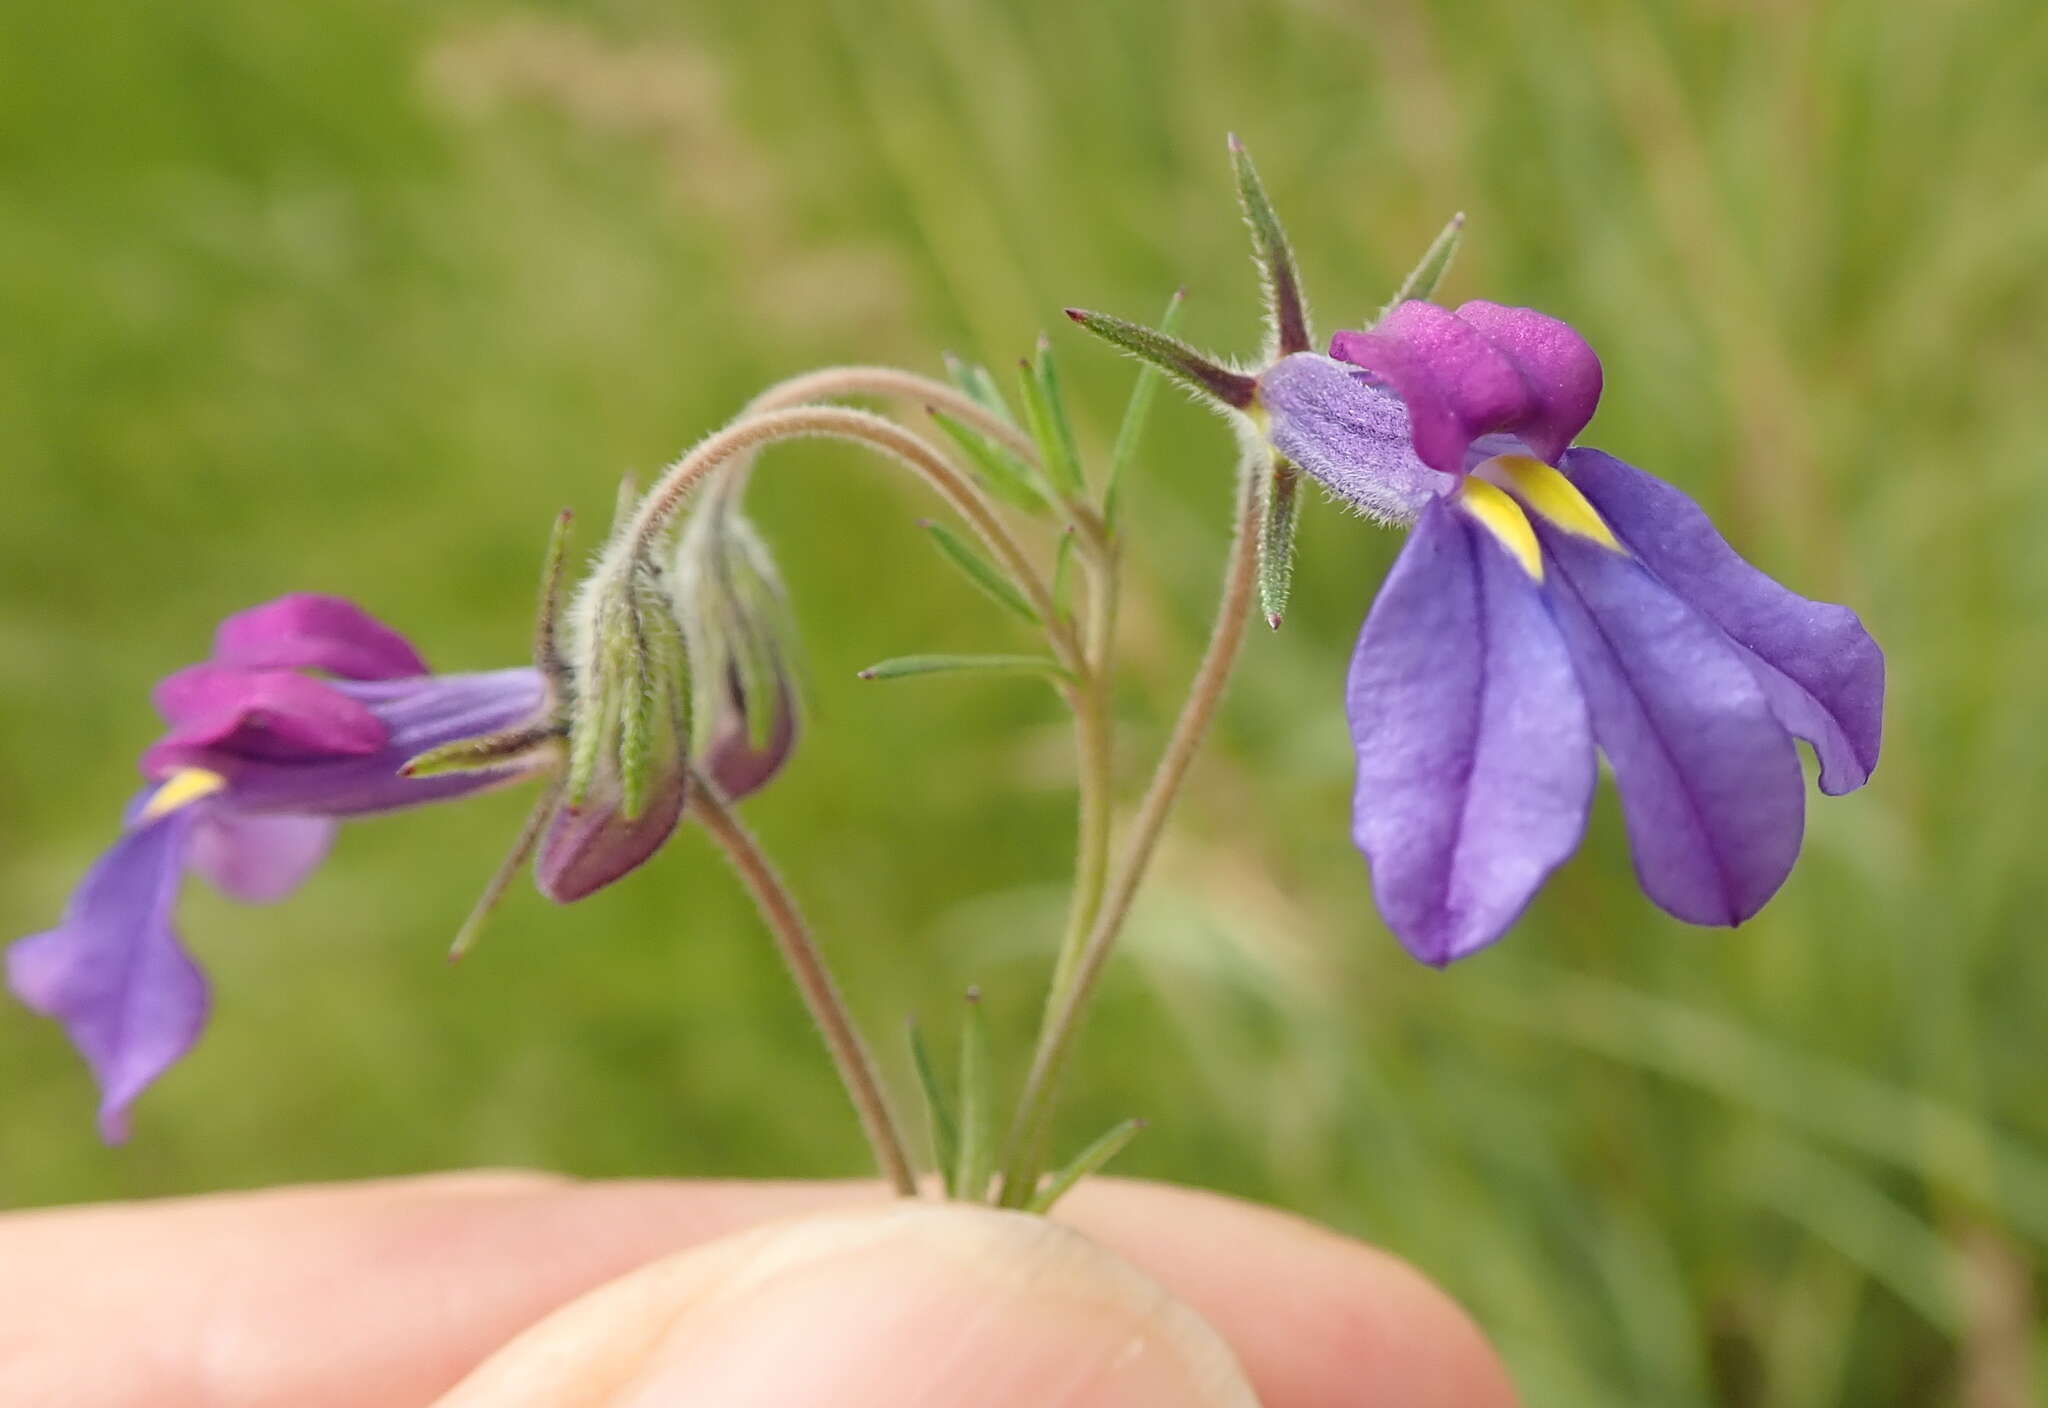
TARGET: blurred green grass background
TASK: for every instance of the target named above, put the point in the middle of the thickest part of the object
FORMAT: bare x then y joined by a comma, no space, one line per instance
354,296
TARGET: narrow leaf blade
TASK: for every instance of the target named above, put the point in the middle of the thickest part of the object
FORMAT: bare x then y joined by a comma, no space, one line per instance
976,1104
1286,309
938,1111
980,571
1137,411
903,666
1006,476
1090,1160
1277,522
1172,356
1429,272
978,386
1045,415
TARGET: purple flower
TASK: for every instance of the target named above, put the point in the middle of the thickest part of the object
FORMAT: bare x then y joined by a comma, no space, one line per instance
1552,601
258,762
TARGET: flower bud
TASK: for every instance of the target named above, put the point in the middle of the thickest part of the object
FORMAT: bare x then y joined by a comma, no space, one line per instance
628,726
729,597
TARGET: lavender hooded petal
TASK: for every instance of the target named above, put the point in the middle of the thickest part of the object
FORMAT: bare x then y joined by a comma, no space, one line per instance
1351,438
114,973
416,715
1820,670
309,631
1558,366
1475,756
1710,782
1455,383
259,859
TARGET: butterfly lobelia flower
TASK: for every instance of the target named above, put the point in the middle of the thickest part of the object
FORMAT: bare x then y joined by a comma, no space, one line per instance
260,761
310,711
1551,601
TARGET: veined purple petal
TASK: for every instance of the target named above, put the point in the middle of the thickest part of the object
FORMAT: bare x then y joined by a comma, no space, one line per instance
1709,779
1351,438
259,859
416,714
309,631
1821,671
1455,383
274,714
1562,373
1475,757
586,849
114,972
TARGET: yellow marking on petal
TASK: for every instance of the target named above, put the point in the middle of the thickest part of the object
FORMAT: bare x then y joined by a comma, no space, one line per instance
1555,497
182,788
1501,516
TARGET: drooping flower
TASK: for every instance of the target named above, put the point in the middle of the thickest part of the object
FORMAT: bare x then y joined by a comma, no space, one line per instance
1551,603
245,787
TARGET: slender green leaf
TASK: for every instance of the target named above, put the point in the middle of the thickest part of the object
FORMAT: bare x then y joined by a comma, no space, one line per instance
978,386
906,665
1090,1160
977,1150
1172,356
1137,411
1286,313
979,570
1063,571
938,1111
1277,523
1436,260
1045,414
1007,477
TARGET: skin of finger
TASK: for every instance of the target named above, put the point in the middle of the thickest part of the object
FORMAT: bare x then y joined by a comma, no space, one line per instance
329,1297
908,1305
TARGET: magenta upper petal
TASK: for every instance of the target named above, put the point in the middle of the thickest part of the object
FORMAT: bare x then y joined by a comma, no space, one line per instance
1710,782
114,972
276,714
1475,755
1486,369
259,859
1558,366
310,631
1455,383
1821,671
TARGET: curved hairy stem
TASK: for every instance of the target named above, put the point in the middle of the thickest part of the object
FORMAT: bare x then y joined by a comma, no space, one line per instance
1204,693
813,980
657,511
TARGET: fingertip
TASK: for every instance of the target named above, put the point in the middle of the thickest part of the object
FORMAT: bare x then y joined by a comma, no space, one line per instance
1311,1313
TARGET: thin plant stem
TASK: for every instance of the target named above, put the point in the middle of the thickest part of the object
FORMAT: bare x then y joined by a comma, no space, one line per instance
830,383
756,432
813,980
1095,765
1204,694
